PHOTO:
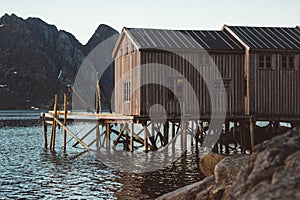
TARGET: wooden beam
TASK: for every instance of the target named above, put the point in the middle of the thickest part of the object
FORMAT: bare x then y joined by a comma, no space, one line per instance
87,134
71,133
119,135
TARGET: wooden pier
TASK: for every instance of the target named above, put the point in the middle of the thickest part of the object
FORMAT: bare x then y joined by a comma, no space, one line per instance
135,132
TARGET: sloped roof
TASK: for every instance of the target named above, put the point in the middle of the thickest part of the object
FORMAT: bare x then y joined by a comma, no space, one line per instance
183,39
268,37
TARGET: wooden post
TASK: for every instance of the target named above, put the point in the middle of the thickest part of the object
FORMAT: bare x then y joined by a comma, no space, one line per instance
131,136
98,102
192,134
97,137
52,145
183,136
251,128
242,136
65,121
227,123
234,134
166,133
107,134
144,124
173,130
44,130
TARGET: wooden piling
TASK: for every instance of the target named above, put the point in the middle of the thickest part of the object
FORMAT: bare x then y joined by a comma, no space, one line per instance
192,134
107,135
131,136
144,124
173,129
65,122
44,130
97,137
227,126
183,137
53,133
98,102
166,133
251,130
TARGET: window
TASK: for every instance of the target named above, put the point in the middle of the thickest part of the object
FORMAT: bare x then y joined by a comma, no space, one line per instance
132,48
204,59
287,62
265,61
126,91
179,86
226,83
175,85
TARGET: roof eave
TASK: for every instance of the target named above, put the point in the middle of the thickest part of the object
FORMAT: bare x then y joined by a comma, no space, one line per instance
124,32
227,28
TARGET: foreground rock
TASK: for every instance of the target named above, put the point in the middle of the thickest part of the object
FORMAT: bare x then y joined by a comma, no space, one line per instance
271,172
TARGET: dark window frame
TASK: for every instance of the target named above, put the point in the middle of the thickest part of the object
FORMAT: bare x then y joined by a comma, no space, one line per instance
287,62
265,62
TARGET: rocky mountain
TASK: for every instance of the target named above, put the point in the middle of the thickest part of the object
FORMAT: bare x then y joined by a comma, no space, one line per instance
37,60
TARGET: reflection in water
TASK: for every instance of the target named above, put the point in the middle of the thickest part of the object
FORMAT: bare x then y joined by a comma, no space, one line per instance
150,185
27,171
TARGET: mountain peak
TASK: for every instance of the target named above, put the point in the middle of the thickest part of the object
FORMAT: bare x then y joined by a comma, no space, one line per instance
102,33
12,17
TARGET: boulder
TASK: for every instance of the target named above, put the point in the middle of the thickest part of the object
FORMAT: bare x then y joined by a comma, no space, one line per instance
226,170
208,162
273,171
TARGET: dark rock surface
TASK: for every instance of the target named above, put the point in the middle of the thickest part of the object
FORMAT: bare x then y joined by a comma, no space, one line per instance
37,60
271,172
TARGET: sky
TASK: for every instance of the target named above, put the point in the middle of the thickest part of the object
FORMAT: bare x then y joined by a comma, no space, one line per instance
82,17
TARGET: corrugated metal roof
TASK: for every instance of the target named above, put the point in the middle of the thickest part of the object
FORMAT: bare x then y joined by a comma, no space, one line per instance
183,39
268,37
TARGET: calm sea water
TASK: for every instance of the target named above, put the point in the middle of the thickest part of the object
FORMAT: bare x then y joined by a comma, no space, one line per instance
29,172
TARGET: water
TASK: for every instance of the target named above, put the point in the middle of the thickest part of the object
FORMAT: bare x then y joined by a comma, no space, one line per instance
29,172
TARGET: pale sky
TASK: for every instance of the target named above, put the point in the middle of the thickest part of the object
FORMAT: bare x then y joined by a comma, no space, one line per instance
82,17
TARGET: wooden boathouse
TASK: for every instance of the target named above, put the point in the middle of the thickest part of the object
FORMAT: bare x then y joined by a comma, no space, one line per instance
250,73
272,72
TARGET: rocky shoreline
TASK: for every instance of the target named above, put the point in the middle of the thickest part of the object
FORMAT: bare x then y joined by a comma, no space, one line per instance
272,171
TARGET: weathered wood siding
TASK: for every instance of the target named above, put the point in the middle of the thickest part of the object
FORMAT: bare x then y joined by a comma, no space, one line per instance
229,65
124,65
274,92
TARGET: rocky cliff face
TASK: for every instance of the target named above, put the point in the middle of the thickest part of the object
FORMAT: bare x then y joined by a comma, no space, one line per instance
37,60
